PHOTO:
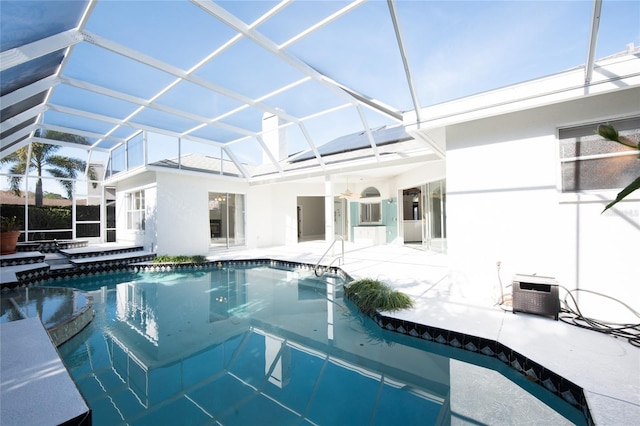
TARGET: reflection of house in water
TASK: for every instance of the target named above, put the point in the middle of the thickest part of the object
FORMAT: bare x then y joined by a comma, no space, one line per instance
232,346
200,336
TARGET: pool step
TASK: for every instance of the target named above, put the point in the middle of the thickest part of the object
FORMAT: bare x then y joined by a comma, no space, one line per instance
55,259
30,267
100,251
50,246
110,262
21,258
20,275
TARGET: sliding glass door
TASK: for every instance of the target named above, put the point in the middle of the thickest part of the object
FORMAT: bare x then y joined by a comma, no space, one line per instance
424,215
226,219
434,229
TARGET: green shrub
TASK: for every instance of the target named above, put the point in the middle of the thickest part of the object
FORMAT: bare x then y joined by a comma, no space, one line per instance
371,295
180,259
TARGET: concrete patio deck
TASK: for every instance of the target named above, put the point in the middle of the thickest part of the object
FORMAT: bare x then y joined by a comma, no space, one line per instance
605,367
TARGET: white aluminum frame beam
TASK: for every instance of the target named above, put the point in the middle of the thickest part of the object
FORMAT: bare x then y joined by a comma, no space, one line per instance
593,41
9,143
26,92
405,59
18,119
19,55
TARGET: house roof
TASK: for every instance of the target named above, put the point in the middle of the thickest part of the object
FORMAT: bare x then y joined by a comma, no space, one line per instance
207,73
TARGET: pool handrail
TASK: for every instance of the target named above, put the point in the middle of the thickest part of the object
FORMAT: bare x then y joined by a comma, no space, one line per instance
341,257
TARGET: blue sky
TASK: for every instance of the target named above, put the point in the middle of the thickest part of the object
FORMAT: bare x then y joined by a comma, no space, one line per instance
454,49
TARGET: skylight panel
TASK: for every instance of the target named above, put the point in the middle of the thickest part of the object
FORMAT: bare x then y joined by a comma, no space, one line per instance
215,134
209,104
249,70
162,120
455,49
172,31
249,11
306,99
298,17
107,144
24,22
108,69
248,118
124,132
76,122
74,97
29,72
359,50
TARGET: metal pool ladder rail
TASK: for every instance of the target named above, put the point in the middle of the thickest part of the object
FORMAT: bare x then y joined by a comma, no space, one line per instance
341,257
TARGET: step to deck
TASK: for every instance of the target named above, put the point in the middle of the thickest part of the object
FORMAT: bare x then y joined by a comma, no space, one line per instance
19,275
54,259
21,258
26,268
110,262
97,251
36,387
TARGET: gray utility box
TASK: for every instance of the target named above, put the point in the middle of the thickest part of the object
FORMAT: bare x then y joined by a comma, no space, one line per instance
535,295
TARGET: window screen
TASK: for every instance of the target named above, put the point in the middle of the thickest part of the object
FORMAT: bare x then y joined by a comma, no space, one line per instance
590,162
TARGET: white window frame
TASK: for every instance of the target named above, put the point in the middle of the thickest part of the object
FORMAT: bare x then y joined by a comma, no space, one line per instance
370,198
136,212
604,188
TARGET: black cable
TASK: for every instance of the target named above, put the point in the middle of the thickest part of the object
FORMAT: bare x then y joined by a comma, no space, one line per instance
574,316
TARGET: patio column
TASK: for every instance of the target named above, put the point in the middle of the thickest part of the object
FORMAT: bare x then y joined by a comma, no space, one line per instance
329,231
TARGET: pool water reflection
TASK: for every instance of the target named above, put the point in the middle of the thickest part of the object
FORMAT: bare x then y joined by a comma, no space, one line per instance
261,345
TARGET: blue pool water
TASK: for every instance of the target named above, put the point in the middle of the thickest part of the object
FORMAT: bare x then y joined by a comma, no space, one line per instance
270,346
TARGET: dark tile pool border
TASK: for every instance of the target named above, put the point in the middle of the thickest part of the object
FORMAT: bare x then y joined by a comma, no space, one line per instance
552,382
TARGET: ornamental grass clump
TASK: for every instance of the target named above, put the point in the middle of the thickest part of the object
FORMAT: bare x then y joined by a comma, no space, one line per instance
371,296
180,259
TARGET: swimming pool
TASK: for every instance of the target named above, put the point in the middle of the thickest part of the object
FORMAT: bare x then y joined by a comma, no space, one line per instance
241,345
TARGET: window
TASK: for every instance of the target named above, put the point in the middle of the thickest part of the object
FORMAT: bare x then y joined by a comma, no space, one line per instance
370,213
589,162
370,208
135,211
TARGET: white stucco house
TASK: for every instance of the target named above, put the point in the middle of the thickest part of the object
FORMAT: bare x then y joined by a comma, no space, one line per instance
512,181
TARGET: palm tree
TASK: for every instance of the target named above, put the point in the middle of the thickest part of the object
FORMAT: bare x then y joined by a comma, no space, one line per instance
43,158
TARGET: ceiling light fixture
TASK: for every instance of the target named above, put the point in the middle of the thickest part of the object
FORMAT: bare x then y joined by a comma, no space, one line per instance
348,195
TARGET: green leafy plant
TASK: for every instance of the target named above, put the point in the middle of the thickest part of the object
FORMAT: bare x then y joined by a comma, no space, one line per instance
9,224
371,295
180,259
608,132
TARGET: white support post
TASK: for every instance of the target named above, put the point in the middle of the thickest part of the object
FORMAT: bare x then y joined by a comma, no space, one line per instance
329,231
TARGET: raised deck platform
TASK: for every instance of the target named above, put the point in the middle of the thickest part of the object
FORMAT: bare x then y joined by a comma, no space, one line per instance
70,260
